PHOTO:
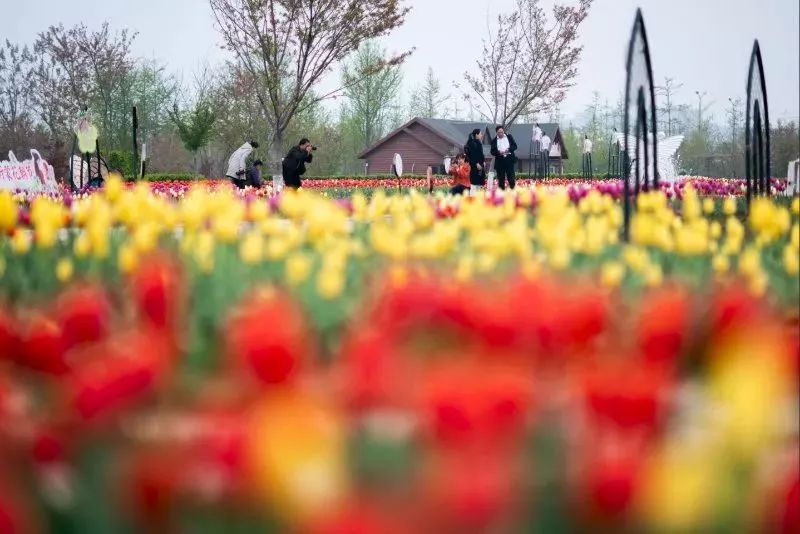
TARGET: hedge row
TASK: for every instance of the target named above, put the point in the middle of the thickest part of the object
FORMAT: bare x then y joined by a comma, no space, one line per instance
165,177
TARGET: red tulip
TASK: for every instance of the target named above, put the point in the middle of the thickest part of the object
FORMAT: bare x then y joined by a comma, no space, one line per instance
268,336
48,446
101,387
611,484
356,518
663,323
15,515
789,521
43,347
732,308
371,369
584,315
155,292
152,479
8,335
626,396
468,403
84,314
471,492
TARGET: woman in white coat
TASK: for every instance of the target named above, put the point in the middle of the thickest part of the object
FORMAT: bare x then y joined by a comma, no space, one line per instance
237,164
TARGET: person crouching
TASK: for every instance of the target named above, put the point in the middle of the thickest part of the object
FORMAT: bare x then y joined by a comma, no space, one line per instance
460,171
254,178
237,164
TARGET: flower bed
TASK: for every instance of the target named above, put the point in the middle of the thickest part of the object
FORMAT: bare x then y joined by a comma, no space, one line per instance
178,360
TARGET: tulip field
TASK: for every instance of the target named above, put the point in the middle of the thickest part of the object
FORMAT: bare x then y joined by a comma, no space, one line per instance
362,357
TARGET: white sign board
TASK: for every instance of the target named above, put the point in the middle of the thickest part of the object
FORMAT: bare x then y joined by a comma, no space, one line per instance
33,175
397,165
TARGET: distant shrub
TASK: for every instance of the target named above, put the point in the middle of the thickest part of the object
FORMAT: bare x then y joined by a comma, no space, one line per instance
119,160
172,176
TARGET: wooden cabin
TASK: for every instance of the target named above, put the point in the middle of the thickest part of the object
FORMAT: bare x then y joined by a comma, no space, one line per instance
426,142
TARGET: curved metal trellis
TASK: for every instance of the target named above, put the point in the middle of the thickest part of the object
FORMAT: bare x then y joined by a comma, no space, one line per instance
757,142
641,101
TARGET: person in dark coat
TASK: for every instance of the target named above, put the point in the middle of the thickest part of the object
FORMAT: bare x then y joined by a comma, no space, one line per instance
503,148
294,164
477,161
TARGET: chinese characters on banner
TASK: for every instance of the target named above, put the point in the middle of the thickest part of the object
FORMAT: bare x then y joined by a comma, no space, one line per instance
33,175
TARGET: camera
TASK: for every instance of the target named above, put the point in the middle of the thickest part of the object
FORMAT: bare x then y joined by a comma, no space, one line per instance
313,147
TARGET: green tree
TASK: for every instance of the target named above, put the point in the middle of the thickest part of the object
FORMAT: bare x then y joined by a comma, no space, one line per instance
370,96
151,89
195,127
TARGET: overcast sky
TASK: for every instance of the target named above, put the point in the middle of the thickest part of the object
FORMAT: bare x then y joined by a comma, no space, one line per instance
704,44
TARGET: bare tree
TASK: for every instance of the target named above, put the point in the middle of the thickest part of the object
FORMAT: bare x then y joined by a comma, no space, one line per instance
15,94
528,62
286,46
80,68
427,100
734,113
593,116
667,109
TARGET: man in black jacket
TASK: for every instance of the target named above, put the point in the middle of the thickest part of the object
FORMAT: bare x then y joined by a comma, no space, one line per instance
477,162
294,164
503,148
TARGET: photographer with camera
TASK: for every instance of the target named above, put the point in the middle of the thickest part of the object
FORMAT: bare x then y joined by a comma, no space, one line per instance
294,164
237,164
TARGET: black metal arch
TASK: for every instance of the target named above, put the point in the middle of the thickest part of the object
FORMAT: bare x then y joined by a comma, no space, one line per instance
757,142
640,106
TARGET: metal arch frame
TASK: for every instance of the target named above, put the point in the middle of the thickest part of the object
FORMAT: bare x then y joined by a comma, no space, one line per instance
757,140
638,28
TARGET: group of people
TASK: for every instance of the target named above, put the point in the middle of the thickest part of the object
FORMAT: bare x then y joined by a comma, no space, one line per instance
293,165
541,148
469,169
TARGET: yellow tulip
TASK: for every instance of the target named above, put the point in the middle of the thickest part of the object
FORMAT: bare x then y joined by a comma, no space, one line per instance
791,261
757,283
720,264
8,212
127,258
751,382
251,249
82,245
636,258
297,268
612,273
46,236
277,248
330,283
729,206
21,242
113,186
653,275
298,448
64,270
465,268
678,489
750,262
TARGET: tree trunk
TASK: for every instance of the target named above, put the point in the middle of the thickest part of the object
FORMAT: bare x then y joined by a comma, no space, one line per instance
276,153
